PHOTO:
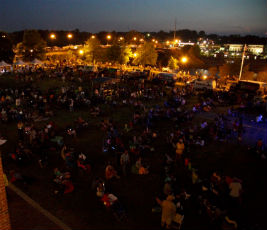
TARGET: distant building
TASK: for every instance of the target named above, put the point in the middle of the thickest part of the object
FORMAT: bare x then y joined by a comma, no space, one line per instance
237,49
256,49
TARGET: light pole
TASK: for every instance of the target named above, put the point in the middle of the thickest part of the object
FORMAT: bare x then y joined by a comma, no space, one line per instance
108,38
184,60
52,36
242,62
69,36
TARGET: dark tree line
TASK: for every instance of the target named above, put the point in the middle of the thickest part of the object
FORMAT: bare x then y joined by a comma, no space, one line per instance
185,35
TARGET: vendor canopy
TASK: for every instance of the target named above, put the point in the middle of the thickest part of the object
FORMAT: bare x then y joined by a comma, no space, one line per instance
20,62
4,64
36,62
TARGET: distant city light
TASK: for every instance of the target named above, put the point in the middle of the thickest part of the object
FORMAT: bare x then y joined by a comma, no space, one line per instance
81,52
93,36
69,36
108,37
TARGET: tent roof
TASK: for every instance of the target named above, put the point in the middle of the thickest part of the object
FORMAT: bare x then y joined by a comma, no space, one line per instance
20,62
36,61
3,63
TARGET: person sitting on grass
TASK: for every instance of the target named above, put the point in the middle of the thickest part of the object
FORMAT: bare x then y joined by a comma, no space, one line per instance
110,172
63,182
81,163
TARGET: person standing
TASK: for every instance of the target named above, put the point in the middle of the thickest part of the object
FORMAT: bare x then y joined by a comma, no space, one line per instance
125,162
179,149
168,211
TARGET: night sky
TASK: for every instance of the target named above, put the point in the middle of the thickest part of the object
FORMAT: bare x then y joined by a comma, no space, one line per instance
212,16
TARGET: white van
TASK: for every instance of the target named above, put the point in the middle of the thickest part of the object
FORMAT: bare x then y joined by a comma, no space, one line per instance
204,84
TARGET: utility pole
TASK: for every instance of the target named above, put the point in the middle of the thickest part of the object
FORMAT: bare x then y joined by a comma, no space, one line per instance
242,62
174,32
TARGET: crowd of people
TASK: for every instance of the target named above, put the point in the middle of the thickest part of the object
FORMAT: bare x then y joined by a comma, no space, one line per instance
129,146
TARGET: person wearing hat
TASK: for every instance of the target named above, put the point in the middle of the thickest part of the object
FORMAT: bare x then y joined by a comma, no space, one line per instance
168,211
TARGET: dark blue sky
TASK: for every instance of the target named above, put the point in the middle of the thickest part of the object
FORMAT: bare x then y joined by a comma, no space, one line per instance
212,16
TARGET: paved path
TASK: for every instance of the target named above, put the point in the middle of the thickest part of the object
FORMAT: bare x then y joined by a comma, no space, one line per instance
37,207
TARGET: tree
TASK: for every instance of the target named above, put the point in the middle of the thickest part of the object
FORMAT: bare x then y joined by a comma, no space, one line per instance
118,54
6,51
146,55
113,53
202,33
32,46
129,37
126,53
92,50
163,57
173,63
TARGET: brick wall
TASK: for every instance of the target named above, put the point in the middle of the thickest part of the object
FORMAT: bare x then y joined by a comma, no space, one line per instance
4,215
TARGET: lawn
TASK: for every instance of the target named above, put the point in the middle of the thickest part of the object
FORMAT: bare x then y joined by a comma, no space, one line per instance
82,209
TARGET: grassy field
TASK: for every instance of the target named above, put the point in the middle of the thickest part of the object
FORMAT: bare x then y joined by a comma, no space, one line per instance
82,209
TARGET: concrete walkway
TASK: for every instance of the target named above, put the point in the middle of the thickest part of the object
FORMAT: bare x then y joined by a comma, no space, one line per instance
26,208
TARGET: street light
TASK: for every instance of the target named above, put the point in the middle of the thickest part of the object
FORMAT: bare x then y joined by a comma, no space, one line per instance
108,38
135,54
69,36
81,52
93,36
52,36
134,38
184,59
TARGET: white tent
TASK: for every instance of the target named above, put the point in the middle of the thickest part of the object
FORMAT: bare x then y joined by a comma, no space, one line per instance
4,64
20,62
36,62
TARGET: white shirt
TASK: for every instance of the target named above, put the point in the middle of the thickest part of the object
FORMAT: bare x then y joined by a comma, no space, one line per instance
235,188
